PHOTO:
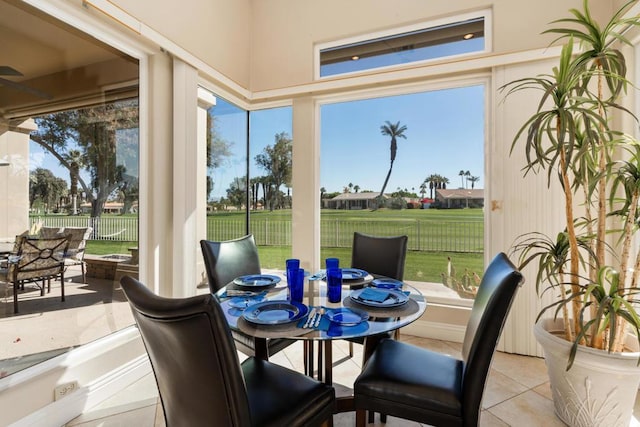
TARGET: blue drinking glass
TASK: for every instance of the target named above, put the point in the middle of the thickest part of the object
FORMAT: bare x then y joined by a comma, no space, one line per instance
292,266
334,284
331,263
296,285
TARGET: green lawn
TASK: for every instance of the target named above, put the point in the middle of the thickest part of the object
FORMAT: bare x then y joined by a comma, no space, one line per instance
422,264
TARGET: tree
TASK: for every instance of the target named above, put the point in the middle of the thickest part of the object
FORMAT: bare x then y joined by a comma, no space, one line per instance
45,187
467,174
473,180
322,192
423,188
218,150
461,175
276,161
237,191
75,160
93,131
356,188
395,131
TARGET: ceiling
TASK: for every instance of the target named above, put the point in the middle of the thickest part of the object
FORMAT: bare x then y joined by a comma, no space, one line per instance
60,66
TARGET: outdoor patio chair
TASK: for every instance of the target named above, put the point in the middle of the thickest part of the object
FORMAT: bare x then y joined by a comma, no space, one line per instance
200,380
226,260
416,384
77,237
36,261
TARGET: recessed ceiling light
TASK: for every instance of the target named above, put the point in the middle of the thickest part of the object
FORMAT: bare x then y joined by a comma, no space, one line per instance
355,57
468,36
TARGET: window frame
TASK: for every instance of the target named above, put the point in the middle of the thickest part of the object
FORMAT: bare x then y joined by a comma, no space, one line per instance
485,14
475,79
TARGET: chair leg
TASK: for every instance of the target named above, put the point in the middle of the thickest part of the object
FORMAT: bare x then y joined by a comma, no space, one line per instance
371,417
360,418
350,349
15,297
62,284
383,418
84,279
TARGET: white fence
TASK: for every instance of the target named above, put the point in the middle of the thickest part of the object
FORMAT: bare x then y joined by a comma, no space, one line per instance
104,228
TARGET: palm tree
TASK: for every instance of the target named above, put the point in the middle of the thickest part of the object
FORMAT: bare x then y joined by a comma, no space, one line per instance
394,131
75,159
423,188
322,191
350,186
473,180
356,188
461,175
467,174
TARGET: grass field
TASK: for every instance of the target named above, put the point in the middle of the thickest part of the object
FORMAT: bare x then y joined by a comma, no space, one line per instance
434,235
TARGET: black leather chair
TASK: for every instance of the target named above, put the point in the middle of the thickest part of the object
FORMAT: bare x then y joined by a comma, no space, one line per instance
200,380
432,388
224,261
379,256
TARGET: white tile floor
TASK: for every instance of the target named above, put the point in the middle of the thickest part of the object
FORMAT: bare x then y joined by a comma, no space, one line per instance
517,392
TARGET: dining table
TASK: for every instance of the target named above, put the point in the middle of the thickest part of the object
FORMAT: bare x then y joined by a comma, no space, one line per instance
351,317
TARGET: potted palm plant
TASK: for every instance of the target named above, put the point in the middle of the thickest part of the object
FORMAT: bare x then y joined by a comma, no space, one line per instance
589,266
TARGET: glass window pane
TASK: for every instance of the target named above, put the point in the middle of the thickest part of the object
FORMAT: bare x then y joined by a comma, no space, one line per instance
226,171
431,182
424,44
77,168
270,183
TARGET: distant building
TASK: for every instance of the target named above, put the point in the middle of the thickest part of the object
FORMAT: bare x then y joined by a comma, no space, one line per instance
353,201
460,198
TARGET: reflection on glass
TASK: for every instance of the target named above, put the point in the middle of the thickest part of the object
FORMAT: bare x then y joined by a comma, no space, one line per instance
80,166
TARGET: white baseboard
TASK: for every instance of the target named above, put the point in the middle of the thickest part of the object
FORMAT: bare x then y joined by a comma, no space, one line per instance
69,407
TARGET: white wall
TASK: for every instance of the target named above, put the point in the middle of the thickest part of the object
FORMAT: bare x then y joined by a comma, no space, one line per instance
284,31
14,180
215,31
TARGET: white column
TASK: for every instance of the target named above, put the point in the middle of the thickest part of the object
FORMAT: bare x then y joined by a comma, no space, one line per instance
516,205
185,179
305,214
206,100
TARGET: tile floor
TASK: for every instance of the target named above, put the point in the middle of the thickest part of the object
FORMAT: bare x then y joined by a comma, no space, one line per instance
517,392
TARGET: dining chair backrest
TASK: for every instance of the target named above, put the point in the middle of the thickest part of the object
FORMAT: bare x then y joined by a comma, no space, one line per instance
491,306
382,256
224,261
193,357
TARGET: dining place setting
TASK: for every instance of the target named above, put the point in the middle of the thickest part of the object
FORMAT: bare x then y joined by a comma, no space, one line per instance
331,303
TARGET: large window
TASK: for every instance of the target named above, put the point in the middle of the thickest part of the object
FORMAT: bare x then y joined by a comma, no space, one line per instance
409,165
417,43
249,176
69,128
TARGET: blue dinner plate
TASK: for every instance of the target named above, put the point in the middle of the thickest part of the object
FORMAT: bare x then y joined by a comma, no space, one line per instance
386,283
257,281
275,312
394,298
353,274
347,316
244,302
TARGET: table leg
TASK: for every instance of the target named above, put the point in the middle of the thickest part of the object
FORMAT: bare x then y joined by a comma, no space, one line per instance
260,348
320,367
328,363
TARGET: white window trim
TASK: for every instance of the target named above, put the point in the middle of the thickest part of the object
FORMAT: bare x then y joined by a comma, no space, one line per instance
485,14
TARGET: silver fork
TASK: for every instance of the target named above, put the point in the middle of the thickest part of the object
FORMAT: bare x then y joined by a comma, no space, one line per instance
319,317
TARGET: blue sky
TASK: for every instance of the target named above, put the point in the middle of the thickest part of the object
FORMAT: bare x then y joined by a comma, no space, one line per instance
445,134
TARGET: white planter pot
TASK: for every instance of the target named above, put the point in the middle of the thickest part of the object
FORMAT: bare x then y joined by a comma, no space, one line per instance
599,389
